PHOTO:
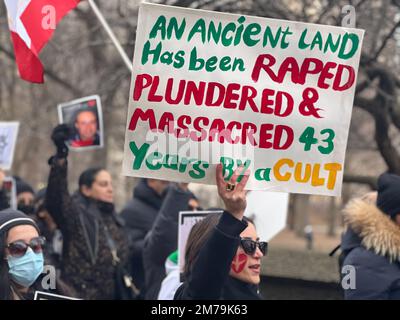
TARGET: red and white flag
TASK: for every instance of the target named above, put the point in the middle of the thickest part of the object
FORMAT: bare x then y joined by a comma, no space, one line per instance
31,30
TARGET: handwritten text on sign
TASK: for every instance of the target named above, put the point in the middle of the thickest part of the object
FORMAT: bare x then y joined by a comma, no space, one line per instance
274,96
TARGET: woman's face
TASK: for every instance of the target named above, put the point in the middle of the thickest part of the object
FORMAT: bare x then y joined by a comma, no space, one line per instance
101,188
23,232
247,267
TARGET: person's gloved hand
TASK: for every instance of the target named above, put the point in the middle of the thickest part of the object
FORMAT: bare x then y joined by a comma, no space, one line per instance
60,135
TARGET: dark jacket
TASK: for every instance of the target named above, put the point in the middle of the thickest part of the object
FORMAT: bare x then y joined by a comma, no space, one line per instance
42,284
209,279
371,245
87,259
139,215
3,200
162,239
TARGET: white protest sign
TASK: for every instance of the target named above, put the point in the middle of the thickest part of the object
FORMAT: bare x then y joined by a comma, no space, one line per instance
210,87
187,219
268,210
40,295
8,140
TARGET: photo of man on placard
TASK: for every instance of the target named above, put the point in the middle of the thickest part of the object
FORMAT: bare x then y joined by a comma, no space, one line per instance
85,119
86,129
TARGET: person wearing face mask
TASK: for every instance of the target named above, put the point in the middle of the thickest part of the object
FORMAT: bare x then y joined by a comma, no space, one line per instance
21,256
223,253
95,248
25,196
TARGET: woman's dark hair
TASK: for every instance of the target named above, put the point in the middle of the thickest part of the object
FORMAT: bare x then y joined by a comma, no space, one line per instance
88,176
5,282
198,236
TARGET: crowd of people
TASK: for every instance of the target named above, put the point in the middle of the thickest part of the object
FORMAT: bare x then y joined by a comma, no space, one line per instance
101,254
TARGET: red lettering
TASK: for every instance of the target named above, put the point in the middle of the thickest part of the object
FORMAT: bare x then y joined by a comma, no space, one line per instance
196,126
306,69
262,65
210,94
279,130
217,126
231,96
288,65
147,115
229,128
247,97
338,78
325,74
196,91
179,95
142,81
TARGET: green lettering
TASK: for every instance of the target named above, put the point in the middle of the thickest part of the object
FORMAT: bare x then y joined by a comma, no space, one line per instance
138,153
263,174
302,44
355,41
160,25
211,64
227,166
147,52
269,37
251,30
151,157
199,27
213,32
173,27
230,27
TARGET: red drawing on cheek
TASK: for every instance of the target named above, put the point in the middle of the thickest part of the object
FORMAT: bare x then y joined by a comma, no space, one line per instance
239,262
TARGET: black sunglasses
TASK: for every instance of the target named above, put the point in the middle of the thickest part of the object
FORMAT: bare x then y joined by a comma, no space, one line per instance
250,246
18,248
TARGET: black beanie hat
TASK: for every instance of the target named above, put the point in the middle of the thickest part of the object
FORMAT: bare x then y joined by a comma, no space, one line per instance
389,194
10,218
22,186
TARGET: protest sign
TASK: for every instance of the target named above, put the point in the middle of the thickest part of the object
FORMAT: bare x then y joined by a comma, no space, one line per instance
40,295
8,140
85,118
208,87
268,211
187,219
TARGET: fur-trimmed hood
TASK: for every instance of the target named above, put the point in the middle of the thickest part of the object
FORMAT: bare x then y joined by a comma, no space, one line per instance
376,231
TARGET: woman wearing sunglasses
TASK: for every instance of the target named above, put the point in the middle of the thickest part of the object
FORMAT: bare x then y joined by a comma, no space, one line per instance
95,249
21,257
223,252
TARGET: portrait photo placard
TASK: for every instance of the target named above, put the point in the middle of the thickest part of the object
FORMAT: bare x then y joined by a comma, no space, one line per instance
85,118
8,141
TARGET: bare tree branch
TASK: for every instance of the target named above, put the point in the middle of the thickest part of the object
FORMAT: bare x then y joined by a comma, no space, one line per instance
370,181
52,75
384,42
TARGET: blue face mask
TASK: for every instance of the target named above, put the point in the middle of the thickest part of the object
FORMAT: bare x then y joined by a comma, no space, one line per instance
26,269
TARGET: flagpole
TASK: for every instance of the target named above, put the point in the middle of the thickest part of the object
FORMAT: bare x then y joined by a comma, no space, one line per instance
110,33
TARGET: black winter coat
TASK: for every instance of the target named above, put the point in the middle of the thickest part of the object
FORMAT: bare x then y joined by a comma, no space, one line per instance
209,279
3,200
139,215
87,260
162,239
371,246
